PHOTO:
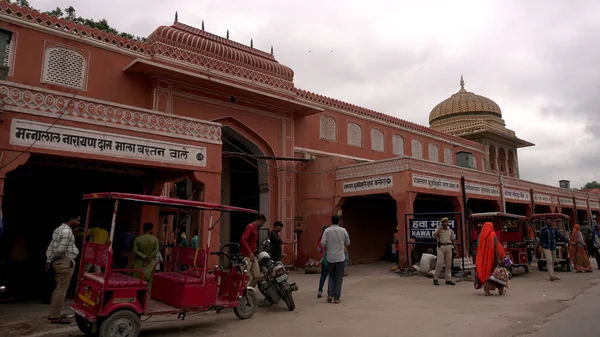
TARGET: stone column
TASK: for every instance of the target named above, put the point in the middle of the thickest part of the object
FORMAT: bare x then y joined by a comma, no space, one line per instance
404,205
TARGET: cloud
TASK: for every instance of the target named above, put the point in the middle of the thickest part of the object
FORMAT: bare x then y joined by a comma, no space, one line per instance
536,59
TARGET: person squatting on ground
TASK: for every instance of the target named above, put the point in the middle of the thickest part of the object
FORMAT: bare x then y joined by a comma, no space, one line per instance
60,256
445,242
324,265
548,237
248,248
145,249
334,241
490,272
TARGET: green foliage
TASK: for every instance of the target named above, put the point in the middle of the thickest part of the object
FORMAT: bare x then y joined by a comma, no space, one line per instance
70,14
593,184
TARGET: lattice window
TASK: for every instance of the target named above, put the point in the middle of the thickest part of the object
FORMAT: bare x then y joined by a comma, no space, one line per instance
398,145
64,67
416,149
448,156
433,152
7,60
377,142
328,128
354,134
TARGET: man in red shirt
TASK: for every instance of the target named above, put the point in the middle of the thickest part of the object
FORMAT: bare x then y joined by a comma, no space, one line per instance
249,242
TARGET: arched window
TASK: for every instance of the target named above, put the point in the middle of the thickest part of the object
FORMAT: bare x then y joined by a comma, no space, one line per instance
398,145
492,158
354,135
377,141
416,149
433,152
511,163
328,128
502,160
448,156
65,67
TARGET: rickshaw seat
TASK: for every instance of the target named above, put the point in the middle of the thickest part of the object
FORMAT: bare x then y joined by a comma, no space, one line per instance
116,280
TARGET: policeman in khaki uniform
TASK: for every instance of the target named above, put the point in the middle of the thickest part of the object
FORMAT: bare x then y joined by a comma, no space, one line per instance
445,242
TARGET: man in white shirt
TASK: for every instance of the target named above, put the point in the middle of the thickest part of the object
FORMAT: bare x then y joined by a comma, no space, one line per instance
60,256
334,240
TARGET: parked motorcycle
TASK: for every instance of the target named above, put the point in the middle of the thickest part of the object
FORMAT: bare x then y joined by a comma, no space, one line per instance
273,282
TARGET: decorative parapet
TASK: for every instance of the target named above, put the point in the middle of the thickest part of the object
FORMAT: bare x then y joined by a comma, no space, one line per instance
410,164
60,24
31,100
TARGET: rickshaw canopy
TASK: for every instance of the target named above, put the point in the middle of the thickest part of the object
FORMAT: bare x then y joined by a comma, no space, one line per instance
163,201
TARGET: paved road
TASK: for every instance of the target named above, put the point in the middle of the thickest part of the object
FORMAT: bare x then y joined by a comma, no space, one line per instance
581,317
378,303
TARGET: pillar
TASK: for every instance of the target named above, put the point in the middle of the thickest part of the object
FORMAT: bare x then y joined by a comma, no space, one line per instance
211,193
461,228
404,206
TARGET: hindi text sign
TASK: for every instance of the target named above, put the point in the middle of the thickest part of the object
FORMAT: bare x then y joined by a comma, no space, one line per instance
424,228
435,183
368,184
487,190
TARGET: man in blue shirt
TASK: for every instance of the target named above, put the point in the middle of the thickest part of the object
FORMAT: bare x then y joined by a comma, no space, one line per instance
548,237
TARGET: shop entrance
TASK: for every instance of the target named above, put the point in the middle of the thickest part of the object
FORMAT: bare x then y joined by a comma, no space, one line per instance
244,183
41,195
518,209
481,206
571,214
541,209
429,203
371,223
582,216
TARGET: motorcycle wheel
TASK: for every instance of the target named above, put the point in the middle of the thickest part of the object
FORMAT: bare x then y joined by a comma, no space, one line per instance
289,300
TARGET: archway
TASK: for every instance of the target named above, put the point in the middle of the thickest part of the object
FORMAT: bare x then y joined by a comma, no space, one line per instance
244,182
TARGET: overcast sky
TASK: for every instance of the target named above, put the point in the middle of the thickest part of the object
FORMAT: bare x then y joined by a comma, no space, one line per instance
537,59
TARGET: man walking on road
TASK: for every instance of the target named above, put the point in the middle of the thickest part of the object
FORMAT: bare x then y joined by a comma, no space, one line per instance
249,243
334,240
588,235
548,237
60,256
445,238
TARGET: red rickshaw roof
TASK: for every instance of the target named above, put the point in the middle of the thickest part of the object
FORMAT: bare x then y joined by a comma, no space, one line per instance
151,199
498,214
550,215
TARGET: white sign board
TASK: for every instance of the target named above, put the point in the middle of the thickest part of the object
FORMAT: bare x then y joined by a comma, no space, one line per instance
581,204
517,194
368,184
487,190
565,201
594,205
433,183
58,137
542,198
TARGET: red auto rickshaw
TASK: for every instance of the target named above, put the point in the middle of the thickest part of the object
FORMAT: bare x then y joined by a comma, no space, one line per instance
513,231
111,303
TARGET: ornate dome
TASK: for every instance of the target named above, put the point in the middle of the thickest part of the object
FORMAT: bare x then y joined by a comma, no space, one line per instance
464,102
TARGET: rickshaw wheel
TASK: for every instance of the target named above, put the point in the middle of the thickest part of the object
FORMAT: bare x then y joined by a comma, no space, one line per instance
121,323
248,305
85,326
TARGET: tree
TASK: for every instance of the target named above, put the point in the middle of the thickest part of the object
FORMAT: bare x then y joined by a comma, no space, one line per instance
590,185
70,14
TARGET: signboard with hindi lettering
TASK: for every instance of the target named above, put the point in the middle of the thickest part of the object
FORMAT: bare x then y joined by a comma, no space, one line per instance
58,137
434,183
566,201
542,198
594,204
581,204
520,195
424,228
368,184
487,190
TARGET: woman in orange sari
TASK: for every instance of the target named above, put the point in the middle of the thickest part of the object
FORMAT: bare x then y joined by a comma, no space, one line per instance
578,251
490,254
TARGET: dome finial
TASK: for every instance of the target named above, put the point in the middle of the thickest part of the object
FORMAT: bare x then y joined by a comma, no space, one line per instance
462,83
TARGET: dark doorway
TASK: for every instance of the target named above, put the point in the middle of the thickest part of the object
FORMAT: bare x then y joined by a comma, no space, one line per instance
541,209
38,198
571,214
582,216
371,223
239,183
481,206
518,209
429,203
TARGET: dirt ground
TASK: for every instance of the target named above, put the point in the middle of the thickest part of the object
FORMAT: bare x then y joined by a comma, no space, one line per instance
375,302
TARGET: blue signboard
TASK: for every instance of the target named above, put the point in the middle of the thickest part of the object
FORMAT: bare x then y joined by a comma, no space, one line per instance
424,228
